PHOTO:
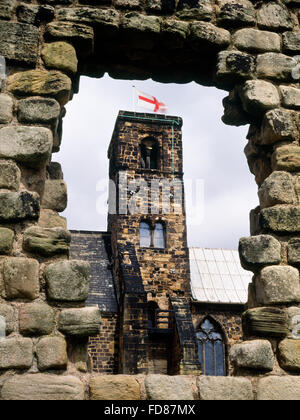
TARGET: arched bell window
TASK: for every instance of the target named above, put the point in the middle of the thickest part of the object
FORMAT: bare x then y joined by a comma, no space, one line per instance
159,236
149,153
211,348
145,235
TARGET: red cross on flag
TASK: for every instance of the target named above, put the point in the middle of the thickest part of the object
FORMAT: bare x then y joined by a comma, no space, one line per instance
147,101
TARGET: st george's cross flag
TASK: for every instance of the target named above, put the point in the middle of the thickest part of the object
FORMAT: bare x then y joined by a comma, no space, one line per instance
147,101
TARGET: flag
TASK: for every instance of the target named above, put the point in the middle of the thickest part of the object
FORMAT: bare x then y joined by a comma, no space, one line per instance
147,101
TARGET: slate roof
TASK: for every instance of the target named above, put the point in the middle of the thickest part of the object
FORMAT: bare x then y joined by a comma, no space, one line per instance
217,276
94,247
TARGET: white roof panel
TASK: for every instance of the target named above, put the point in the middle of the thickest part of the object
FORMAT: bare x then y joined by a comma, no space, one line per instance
217,276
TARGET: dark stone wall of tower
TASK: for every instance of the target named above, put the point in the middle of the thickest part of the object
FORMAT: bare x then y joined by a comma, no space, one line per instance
164,271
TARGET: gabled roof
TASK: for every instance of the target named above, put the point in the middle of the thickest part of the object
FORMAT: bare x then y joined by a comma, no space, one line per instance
94,247
217,276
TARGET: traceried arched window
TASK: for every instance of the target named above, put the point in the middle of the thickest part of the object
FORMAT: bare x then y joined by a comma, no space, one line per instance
211,348
149,153
145,235
159,236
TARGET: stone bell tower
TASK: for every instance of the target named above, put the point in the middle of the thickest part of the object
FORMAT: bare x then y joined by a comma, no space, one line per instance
148,225
147,169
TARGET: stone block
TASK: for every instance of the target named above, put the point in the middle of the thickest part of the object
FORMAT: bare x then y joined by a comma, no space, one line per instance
18,206
36,319
41,83
103,19
265,322
286,158
274,16
290,96
217,388
281,219
54,170
280,388
55,195
294,251
7,8
275,66
233,64
41,387
16,353
81,36
19,42
236,12
209,36
28,13
6,108
30,146
138,22
21,278
38,110
68,281
289,355
162,387
6,241
10,175
61,56
8,313
278,188
260,250
50,219
174,33
293,314
279,125
233,110
82,322
259,96
278,285
117,387
52,353
198,10
256,354
46,242
297,187
249,39
291,42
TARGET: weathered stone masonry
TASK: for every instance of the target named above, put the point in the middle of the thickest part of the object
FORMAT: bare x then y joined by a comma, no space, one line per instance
245,47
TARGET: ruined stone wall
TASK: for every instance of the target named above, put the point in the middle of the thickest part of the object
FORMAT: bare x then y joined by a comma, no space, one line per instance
245,47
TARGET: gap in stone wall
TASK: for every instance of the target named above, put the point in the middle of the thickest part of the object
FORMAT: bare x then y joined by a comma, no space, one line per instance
212,152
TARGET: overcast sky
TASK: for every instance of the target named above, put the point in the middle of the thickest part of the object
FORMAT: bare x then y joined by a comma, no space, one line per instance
213,155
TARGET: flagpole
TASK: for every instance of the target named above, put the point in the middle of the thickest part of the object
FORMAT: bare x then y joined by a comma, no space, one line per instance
133,99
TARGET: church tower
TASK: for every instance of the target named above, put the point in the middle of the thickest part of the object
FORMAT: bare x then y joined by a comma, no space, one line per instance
147,222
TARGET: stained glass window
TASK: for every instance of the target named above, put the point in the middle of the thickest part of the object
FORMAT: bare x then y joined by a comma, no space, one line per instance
211,350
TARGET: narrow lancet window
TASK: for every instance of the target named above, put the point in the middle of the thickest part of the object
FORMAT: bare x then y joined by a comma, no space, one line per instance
145,235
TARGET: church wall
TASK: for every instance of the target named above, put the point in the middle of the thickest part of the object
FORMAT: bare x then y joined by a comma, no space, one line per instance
103,348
